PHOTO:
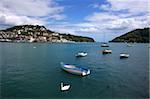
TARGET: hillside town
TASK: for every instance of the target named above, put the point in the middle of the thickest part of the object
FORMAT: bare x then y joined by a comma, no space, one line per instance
31,33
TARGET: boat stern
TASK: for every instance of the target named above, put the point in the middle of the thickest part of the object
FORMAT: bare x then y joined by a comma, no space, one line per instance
88,72
84,73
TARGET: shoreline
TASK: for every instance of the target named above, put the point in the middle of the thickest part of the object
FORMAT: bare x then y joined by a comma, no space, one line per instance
72,42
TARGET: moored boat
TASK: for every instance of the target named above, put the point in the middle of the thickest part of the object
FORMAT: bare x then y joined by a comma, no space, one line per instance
124,55
104,45
81,54
75,69
107,51
129,45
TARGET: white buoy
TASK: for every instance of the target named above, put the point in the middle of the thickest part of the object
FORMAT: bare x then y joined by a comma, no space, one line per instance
64,87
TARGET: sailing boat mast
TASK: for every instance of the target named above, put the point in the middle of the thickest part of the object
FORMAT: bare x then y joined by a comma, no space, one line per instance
104,37
104,43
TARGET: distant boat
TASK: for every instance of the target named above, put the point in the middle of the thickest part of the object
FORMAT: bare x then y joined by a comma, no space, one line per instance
107,51
81,54
104,45
124,55
64,87
129,45
75,69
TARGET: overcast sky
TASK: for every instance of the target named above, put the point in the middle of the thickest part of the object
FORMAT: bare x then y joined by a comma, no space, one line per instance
90,18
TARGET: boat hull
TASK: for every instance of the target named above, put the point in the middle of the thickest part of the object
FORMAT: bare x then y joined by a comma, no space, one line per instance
81,55
76,70
124,55
107,51
104,45
73,71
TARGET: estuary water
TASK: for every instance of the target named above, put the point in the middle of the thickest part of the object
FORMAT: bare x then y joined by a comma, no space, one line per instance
32,71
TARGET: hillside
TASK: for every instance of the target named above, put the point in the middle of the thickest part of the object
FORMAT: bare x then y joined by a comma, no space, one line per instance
137,35
36,33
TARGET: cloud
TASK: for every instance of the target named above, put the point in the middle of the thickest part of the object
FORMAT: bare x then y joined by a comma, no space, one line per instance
101,17
57,17
132,6
89,29
31,7
18,12
102,6
122,16
113,17
11,19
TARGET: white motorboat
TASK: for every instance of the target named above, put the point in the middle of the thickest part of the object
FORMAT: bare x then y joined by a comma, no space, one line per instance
107,51
129,45
104,45
75,69
81,54
124,55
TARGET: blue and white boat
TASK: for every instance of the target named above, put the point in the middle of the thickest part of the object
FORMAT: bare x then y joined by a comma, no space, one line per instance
75,69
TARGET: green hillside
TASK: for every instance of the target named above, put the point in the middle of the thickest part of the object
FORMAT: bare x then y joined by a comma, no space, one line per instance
137,35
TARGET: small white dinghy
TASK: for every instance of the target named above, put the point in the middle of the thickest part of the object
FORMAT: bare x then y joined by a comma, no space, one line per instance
64,87
81,54
107,51
104,45
124,55
130,44
75,69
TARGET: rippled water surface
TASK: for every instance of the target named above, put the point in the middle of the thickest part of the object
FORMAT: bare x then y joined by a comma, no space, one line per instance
32,70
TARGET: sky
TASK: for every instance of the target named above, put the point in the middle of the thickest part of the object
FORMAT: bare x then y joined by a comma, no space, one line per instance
102,20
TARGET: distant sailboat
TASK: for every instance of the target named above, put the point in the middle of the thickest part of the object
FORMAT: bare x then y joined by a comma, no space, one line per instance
129,45
104,44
